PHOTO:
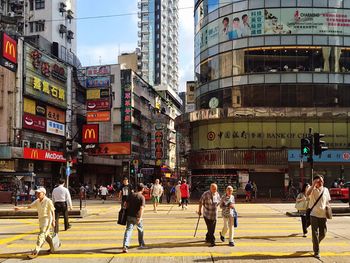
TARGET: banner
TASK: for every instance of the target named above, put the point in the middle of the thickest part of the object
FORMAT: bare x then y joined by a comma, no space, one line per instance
102,104
33,122
98,116
113,148
90,133
43,155
55,128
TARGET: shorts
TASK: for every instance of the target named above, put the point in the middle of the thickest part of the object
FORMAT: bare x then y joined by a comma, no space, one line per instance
184,200
103,197
155,199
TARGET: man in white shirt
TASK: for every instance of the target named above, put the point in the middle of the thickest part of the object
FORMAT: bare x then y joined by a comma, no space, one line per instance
104,192
62,201
46,218
318,214
156,193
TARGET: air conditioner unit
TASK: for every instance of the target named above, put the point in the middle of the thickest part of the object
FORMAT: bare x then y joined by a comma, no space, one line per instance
25,143
11,14
39,145
47,145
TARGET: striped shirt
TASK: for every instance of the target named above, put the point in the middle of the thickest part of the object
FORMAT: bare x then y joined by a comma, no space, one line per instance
210,204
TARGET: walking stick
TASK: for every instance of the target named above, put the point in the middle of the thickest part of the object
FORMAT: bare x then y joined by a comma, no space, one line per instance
199,217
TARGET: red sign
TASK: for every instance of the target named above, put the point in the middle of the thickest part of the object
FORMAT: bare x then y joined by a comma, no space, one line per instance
113,148
43,155
90,133
92,105
33,122
9,48
98,116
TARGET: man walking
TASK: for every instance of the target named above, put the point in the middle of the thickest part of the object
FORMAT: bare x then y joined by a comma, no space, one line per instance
135,206
156,193
62,201
319,199
46,216
125,191
104,192
210,201
185,194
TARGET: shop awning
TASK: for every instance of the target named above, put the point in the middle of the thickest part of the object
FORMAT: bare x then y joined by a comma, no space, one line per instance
17,174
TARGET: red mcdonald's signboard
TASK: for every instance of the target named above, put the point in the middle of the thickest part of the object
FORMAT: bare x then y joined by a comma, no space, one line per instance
9,48
43,155
90,133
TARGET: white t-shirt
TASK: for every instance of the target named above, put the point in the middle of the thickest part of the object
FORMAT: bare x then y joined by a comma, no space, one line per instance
104,191
320,208
157,190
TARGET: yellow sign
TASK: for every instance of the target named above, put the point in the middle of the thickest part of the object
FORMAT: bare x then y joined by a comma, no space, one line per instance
267,134
34,154
51,90
29,106
167,175
92,94
7,165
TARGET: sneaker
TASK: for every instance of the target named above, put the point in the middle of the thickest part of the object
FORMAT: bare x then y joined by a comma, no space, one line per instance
212,244
222,238
33,255
143,246
231,244
304,235
316,255
125,250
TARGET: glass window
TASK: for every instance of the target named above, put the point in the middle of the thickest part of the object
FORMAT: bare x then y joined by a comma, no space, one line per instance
31,5
226,64
39,4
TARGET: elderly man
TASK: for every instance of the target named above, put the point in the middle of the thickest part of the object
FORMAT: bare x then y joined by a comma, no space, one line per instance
319,199
46,215
210,201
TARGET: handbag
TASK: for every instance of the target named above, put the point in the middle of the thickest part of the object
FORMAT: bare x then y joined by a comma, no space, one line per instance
122,217
302,205
309,210
56,241
329,212
235,218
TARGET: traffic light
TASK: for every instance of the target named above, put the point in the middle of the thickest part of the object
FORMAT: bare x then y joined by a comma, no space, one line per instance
319,144
69,145
132,169
306,146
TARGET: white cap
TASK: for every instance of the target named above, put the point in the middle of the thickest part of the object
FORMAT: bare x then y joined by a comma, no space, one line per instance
41,190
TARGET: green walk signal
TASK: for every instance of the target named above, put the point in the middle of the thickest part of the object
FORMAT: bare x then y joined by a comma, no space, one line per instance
306,147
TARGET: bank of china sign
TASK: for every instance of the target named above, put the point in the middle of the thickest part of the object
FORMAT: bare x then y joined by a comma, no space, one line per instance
46,78
43,155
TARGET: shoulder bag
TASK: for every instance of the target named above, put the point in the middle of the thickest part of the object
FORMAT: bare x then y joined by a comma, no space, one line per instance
309,210
302,205
122,216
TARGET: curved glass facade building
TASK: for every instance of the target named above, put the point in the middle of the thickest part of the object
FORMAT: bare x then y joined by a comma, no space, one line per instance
266,72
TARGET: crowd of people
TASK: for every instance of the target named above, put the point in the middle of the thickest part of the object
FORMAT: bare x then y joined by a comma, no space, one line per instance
312,203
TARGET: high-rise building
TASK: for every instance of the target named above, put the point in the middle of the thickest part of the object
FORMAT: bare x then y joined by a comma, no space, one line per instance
266,72
158,41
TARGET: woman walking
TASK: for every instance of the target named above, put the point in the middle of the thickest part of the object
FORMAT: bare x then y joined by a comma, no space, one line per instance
227,205
302,202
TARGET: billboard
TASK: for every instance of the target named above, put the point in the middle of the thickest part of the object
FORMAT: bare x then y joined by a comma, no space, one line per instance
43,155
98,116
98,70
45,77
55,128
29,106
93,94
113,148
55,114
90,133
8,56
98,82
33,122
101,104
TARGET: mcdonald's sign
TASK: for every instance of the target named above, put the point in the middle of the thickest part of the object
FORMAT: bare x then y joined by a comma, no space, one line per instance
43,155
8,57
90,133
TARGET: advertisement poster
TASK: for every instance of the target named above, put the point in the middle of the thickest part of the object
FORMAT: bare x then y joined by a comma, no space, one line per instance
33,122
98,82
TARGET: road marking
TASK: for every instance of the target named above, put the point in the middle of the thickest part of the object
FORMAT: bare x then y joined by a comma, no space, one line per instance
172,245
262,255
17,237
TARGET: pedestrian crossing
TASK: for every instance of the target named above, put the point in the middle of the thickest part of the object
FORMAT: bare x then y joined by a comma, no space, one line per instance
262,233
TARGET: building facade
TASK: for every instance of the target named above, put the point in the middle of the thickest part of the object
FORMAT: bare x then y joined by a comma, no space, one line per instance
158,41
266,72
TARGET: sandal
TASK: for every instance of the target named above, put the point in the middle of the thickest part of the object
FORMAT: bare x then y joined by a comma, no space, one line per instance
33,255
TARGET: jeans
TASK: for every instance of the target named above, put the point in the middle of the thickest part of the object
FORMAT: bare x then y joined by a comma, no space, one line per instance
319,229
228,225
130,223
211,224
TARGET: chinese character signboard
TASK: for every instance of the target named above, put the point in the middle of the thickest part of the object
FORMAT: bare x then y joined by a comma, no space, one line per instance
126,111
90,133
330,156
98,70
55,128
55,114
33,122
113,148
159,147
98,116
8,56
46,78
102,104
98,82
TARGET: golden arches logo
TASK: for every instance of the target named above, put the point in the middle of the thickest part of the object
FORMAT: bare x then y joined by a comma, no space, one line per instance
10,49
34,154
90,134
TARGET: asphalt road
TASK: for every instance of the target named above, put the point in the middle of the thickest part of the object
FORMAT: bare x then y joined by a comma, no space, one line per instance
264,233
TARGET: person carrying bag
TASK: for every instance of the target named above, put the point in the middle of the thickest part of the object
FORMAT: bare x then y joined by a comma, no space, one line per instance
302,203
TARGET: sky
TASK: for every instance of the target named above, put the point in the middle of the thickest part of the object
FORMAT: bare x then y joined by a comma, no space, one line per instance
100,40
